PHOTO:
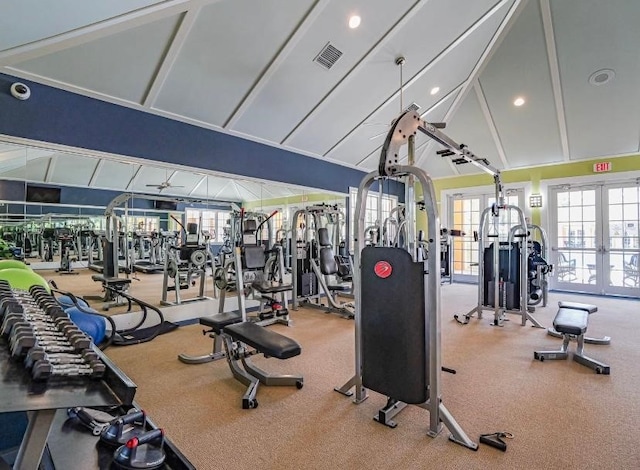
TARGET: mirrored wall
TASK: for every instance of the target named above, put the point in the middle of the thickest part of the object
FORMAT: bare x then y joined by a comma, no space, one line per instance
48,190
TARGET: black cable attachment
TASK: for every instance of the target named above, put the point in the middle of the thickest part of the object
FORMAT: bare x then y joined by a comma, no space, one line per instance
495,440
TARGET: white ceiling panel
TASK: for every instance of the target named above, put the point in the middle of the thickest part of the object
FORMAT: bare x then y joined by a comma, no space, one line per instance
448,73
26,21
470,128
72,169
584,49
379,77
227,49
529,134
121,65
115,175
283,103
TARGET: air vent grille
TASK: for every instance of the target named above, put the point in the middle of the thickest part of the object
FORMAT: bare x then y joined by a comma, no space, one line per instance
328,56
413,107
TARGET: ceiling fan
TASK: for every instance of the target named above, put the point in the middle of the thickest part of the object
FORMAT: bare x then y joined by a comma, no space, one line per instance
164,185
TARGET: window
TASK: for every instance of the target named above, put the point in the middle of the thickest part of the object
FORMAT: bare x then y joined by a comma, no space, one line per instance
212,221
371,214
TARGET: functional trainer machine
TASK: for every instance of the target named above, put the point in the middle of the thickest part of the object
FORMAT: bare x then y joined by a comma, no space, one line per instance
503,274
314,267
397,297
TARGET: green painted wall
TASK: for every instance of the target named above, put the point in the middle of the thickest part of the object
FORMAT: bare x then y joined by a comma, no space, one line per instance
537,174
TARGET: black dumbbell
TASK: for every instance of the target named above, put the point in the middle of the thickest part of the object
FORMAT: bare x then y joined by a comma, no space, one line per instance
37,353
42,370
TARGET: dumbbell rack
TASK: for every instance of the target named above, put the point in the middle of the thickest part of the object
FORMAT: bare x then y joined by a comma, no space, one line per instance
40,333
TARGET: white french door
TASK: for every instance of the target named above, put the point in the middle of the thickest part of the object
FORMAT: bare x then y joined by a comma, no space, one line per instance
465,216
595,239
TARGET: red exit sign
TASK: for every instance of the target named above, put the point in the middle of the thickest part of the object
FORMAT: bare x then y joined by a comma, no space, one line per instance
601,167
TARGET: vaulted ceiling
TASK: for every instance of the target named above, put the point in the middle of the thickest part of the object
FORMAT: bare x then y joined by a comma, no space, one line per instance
294,75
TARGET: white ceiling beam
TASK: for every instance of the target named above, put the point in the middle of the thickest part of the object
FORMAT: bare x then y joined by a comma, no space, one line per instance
171,176
221,190
422,71
236,188
169,59
50,168
486,112
496,40
134,178
350,75
554,69
96,172
98,30
240,185
198,184
281,55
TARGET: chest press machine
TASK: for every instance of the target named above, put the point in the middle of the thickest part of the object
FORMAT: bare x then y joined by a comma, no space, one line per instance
397,296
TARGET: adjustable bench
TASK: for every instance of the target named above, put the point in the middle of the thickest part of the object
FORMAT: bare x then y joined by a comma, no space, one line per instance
572,321
236,336
216,324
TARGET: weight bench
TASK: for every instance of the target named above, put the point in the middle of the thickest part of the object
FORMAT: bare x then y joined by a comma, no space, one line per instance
572,321
215,323
236,336
112,287
580,306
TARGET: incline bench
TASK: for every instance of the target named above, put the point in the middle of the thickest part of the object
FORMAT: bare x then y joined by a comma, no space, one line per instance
236,335
571,321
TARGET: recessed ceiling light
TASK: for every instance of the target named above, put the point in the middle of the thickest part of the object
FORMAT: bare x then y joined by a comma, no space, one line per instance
519,101
435,90
354,21
600,77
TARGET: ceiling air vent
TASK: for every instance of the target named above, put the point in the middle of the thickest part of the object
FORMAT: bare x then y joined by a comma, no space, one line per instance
413,107
328,56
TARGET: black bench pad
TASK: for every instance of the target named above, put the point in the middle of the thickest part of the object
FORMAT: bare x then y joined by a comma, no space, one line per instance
266,287
221,320
578,306
570,321
110,280
266,341
339,287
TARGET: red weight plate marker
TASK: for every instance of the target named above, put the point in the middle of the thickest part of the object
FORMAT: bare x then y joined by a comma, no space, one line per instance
383,269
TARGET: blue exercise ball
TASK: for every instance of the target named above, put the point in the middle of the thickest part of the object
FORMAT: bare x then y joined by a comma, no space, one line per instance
66,302
93,324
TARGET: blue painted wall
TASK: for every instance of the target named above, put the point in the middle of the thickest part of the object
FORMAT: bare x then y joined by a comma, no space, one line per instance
58,116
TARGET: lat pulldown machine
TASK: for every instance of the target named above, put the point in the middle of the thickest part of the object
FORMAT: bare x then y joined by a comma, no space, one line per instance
397,297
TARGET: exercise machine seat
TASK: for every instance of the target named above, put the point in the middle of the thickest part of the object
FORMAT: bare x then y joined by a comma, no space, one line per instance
118,281
578,306
266,341
268,287
571,321
219,321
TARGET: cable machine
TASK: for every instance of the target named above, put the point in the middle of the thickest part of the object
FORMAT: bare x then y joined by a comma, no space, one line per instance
397,297
315,269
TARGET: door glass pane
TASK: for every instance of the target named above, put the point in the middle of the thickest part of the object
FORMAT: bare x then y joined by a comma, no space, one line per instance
576,231
466,217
